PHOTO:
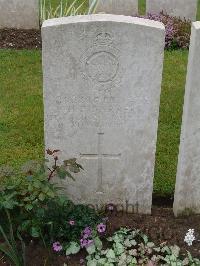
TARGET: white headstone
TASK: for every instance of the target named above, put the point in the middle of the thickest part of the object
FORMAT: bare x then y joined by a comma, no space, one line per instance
19,14
187,193
178,8
102,82
118,7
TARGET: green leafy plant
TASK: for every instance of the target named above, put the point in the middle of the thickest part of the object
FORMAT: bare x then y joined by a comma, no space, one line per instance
131,248
27,192
64,221
31,186
10,248
38,208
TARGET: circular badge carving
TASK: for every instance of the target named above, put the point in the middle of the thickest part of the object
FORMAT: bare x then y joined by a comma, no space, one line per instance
102,66
100,62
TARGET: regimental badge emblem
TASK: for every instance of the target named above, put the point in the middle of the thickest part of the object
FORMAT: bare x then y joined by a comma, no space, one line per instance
100,62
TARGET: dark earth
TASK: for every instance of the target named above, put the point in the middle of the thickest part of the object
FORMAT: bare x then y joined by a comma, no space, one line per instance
161,226
20,39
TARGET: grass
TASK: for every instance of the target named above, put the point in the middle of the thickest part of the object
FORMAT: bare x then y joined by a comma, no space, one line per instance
21,111
173,85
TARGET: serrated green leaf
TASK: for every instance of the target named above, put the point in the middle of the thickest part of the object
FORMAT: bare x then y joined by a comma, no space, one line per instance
150,244
91,249
73,248
110,254
28,207
51,194
35,232
37,184
61,171
98,243
41,197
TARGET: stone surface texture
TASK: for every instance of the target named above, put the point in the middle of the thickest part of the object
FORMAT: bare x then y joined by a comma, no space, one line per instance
118,7
102,81
179,8
19,14
187,193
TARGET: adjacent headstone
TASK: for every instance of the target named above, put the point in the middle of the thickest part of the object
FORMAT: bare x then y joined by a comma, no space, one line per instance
185,9
102,82
19,14
187,193
118,7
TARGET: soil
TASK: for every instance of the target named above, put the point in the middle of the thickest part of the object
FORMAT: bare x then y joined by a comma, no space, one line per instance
161,226
20,39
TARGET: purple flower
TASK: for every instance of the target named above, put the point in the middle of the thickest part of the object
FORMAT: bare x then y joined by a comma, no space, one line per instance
86,242
83,242
57,247
82,261
87,232
71,222
101,228
86,236
177,30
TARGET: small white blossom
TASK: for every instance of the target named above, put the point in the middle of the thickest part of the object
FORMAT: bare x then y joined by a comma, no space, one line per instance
189,237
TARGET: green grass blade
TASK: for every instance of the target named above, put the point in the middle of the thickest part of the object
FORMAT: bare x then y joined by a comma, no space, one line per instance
93,6
69,10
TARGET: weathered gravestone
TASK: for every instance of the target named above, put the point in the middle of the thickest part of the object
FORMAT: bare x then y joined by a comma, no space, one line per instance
118,7
102,81
20,14
187,193
179,8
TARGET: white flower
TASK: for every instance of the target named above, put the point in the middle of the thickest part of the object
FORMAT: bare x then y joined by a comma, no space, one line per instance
189,237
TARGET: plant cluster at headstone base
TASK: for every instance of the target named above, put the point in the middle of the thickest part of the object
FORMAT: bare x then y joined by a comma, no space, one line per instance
9,244
65,221
35,204
131,248
177,30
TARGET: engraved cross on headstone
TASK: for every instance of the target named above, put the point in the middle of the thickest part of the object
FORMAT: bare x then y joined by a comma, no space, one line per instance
100,155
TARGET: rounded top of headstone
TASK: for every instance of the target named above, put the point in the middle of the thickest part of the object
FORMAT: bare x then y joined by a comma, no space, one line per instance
102,18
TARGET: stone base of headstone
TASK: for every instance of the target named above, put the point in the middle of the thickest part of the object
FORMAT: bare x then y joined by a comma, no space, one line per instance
19,14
